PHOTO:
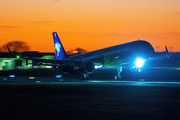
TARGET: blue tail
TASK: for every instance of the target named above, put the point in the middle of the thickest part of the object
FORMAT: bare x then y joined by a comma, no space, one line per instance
59,49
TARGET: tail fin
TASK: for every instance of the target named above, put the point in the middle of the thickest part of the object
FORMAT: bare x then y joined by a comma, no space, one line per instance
59,49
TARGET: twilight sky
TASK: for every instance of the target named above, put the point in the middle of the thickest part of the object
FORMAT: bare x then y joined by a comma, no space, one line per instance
90,24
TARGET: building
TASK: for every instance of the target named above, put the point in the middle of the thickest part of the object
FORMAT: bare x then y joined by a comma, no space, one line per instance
15,60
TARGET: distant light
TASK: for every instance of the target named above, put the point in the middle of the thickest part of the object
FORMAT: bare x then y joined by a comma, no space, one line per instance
11,76
75,52
97,67
139,62
58,76
141,79
61,80
4,78
18,56
48,67
31,77
38,81
6,60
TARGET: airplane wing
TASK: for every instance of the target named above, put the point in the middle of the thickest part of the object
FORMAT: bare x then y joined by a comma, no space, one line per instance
54,62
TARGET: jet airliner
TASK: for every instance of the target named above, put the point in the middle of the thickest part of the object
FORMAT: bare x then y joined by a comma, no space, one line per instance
133,55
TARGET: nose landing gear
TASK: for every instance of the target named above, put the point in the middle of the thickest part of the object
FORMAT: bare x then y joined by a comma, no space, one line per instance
119,75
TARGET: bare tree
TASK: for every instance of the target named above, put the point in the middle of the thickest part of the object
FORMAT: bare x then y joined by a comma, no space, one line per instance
16,46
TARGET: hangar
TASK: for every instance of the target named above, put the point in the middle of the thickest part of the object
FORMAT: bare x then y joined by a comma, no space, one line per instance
16,61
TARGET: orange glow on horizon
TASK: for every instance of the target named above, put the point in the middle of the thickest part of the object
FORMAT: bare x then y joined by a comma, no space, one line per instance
90,25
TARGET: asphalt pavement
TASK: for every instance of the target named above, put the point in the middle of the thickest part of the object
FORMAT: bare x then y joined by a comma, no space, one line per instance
52,98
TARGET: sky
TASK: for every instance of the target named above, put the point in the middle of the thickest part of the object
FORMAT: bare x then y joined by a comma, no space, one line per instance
90,24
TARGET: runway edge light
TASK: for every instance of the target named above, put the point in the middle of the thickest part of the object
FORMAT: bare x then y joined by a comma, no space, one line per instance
11,76
58,76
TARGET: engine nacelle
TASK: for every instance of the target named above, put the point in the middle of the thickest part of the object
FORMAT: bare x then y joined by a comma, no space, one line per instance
86,68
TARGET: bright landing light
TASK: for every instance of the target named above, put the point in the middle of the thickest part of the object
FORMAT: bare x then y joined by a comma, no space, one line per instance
97,67
139,62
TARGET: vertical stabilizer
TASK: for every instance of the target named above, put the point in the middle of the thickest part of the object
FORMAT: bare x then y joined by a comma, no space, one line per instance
59,49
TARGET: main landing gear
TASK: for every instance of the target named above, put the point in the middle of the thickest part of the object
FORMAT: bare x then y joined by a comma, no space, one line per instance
119,75
84,77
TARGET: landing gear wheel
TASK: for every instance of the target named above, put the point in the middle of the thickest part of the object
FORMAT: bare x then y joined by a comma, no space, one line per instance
84,77
87,77
119,75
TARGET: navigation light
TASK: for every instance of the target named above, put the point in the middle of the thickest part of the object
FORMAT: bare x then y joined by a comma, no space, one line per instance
18,56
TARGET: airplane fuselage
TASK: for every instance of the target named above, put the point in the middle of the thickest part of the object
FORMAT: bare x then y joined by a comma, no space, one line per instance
115,56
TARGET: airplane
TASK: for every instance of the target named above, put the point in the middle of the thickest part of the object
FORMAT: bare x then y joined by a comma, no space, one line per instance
132,54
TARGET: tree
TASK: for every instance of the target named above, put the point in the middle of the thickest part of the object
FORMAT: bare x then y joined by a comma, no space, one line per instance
76,51
80,50
16,46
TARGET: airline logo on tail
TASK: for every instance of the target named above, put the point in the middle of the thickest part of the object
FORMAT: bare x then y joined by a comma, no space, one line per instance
58,48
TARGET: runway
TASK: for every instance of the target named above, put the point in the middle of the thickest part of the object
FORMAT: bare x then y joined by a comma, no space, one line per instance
60,81
93,99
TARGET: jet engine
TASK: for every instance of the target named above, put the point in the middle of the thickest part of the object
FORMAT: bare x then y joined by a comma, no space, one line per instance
86,68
